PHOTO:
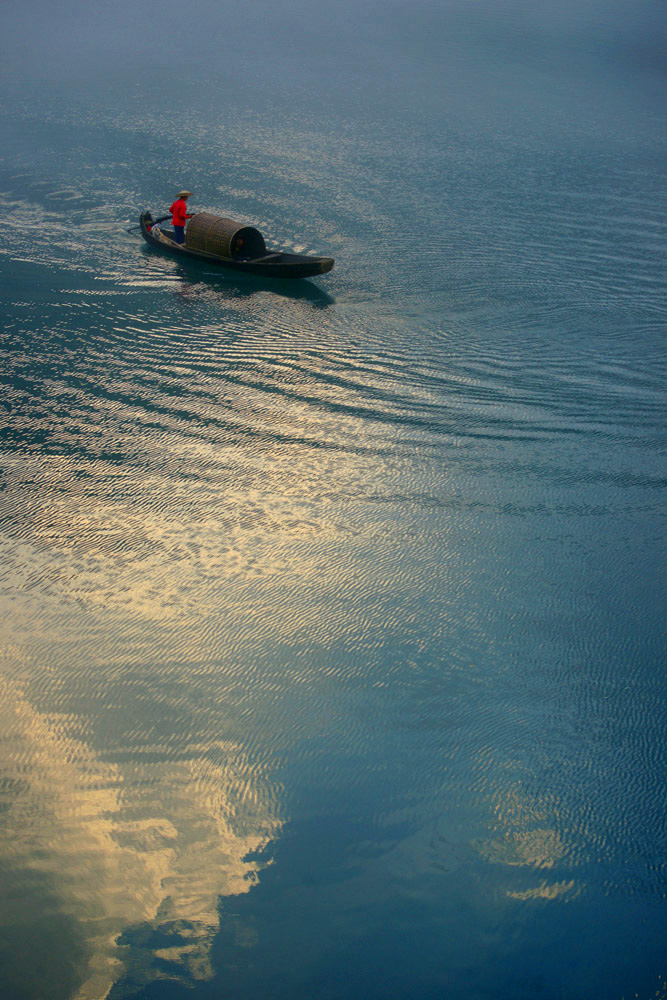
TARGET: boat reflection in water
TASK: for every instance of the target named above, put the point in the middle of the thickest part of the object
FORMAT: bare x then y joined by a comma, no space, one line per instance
114,854
233,285
240,287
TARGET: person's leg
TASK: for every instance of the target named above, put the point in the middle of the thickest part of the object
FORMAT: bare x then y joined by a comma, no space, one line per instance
178,234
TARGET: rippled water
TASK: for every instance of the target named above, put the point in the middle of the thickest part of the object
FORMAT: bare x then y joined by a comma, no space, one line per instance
332,655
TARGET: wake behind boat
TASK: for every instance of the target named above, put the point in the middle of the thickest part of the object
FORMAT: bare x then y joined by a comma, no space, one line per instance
230,244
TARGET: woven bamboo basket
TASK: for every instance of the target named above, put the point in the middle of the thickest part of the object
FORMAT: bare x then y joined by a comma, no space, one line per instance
224,237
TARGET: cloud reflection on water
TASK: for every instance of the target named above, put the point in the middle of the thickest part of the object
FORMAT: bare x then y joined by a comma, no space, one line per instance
140,850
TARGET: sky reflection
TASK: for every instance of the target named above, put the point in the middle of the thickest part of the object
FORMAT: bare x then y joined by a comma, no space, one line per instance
132,852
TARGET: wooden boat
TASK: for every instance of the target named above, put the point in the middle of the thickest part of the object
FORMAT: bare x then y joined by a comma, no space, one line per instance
221,241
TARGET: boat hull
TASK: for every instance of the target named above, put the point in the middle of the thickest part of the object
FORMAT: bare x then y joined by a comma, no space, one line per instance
282,265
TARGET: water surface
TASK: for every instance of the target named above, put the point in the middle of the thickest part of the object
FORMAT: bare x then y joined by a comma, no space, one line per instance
332,654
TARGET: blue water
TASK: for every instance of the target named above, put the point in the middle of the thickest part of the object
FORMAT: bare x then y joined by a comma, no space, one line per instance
332,647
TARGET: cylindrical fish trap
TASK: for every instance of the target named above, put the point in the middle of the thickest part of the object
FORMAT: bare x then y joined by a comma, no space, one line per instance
223,237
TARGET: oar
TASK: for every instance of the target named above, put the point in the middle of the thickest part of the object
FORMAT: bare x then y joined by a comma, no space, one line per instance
162,218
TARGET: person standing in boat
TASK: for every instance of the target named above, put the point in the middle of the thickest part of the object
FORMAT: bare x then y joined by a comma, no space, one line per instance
179,214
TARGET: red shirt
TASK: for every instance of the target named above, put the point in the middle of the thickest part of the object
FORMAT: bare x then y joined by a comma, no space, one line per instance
178,212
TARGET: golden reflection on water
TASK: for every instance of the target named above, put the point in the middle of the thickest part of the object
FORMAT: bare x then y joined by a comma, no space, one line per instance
190,554
131,835
137,837
537,848
151,845
544,891
526,839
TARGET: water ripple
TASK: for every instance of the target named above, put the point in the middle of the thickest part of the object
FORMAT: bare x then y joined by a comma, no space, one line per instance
379,553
